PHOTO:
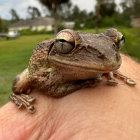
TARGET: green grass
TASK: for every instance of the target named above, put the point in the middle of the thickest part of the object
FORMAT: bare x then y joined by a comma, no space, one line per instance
14,58
15,54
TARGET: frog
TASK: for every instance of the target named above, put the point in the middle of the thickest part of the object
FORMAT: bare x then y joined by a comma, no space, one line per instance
68,62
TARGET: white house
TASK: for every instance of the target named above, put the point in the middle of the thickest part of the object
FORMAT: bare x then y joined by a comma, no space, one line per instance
69,24
135,22
42,23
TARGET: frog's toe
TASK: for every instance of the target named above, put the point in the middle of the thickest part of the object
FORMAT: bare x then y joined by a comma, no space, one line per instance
112,82
23,100
28,98
31,109
130,82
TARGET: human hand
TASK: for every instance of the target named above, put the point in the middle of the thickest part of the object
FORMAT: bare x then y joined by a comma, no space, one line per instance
100,113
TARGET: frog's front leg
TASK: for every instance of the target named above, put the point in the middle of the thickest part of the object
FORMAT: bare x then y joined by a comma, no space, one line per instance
21,87
23,83
111,80
23,99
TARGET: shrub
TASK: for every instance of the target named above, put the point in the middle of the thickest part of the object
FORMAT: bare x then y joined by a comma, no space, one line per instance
30,32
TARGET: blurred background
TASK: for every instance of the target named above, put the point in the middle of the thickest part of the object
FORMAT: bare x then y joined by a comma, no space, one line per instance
25,23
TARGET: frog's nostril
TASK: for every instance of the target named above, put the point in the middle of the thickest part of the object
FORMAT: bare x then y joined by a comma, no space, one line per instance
101,56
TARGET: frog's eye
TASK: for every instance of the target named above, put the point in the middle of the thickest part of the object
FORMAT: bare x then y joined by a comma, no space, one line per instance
65,42
66,35
121,40
62,46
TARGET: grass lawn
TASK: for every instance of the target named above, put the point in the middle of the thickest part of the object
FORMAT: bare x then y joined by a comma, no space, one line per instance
14,58
15,54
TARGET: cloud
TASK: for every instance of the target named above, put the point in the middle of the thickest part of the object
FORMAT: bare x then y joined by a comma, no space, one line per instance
84,5
19,6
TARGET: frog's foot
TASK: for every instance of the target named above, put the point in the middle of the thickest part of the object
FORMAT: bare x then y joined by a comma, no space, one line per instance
111,80
129,81
23,100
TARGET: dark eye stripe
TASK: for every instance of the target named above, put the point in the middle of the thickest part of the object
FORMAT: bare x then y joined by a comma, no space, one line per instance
123,38
63,40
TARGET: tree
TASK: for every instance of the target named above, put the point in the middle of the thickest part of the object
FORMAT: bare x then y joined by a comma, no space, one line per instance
80,17
104,8
130,8
33,12
108,8
54,6
136,8
98,14
3,25
14,15
90,21
66,11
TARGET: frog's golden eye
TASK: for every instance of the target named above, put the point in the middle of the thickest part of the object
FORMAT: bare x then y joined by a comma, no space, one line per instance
121,40
65,42
66,35
62,46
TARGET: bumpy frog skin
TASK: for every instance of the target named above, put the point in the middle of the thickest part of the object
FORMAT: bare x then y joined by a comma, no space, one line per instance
68,62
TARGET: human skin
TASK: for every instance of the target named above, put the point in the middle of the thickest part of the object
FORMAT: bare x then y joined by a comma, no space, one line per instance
99,113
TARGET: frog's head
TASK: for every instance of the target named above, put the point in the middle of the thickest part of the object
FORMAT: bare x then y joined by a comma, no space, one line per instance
93,52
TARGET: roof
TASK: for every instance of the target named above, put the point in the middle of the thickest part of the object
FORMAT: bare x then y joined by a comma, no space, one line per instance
34,22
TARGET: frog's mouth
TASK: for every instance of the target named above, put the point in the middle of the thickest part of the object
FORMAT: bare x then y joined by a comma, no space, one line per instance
81,66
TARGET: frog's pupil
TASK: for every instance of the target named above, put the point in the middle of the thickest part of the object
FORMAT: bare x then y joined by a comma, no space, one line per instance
123,38
61,40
